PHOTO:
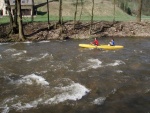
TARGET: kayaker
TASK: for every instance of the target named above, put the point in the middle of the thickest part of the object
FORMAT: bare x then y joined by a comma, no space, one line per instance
112,42
95,42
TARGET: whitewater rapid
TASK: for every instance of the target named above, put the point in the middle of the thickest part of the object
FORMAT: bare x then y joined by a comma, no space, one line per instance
57,76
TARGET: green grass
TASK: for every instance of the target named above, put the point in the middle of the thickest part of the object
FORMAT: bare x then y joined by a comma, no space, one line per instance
146,17
84,18
4,20
39,18
103,11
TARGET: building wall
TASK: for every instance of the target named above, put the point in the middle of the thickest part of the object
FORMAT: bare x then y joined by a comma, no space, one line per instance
3,8
26,10
23,2
26,6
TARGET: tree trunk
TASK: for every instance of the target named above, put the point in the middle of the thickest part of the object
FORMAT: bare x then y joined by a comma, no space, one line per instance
75,13
15,23
48,14
21,33
32,15
10,15
60,12
81,9
114,10
139,11
92,16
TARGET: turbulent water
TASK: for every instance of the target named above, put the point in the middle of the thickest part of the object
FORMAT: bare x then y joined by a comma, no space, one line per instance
60,77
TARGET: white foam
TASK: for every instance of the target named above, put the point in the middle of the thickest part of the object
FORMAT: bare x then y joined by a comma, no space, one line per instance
73,92
45,41
43,55
20,53
0,56
94,63
8,100
5,109
4,43
81,70
32,59
19,106
30,79
27,42
99,101
10,50
25,106
91,64
113,91
119,71
116,63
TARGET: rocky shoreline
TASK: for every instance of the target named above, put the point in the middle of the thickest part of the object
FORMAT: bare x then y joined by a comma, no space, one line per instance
38,31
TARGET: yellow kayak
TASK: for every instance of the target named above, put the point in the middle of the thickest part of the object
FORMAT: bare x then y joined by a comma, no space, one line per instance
106,47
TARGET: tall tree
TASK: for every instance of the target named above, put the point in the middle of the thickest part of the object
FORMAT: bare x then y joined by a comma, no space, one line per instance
60,12
15,26
48,13
10,15
81,9
21,33
32,15
75,13
139,11
114,9
13,21
92,16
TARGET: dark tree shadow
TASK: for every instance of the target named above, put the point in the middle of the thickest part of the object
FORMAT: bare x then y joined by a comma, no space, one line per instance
129,11
42,4
39,30
41,13
38,6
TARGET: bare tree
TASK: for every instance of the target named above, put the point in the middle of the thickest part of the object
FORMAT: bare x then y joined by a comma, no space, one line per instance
32,16
10,15
114,9
21,33
60,12
139,11
92,16
15,23
81,9
75,13
48,13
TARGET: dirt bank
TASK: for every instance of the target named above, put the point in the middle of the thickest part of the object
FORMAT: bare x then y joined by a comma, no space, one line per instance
40,31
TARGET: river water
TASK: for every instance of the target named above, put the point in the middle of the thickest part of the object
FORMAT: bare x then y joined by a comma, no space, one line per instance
60,77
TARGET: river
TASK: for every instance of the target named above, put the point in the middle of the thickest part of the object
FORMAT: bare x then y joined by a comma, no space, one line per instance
60,77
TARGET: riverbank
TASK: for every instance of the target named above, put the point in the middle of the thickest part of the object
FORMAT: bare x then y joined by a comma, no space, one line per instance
39,31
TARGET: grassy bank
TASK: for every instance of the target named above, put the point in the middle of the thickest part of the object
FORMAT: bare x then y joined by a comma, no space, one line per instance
103,11
39,18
